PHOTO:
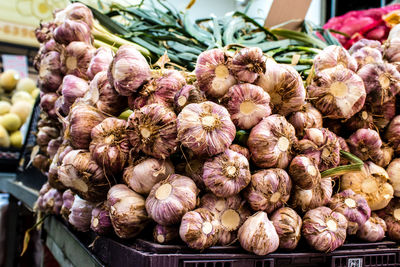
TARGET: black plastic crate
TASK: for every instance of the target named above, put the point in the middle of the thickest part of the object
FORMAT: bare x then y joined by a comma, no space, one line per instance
145,253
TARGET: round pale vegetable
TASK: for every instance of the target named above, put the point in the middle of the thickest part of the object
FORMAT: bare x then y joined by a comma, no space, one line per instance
304,172
81,214
75,59
372,230
100,61
288,227
10,121
333,56
247,64
16,139
26,84
307,117
9,79
367,55
22,109
4,107
4,137
21,96
372,182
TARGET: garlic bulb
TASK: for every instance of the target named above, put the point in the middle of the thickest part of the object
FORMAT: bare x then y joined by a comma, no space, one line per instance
108,100
307,117
67,200
387,155
110,145
81,214
362,119
393,170
141,176
82,175
372,230
366,144
304,172
248,104
367,55
324,229
76,12
323,146
47,102
205,128
152,129
128,71
52,175
171,198
392,50
268,190
353,206
199,229
127,211
304,200
382,82
227,173
270,142
285,87
258,234
213,74
161,89
241,150
51,202
194,170
72,31
372,183
72,88
231,213
287,224
393,133
365,43
50,77
391,215
44,32
75,59
82,119
165,234
101,222
333,56
337,92
248,64
100,61
188,94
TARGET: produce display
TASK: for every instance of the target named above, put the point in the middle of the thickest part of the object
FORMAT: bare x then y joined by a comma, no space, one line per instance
241,149
17,98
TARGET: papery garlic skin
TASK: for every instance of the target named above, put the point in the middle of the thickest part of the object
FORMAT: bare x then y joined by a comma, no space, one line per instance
50,77
205,128
333,56
110,145
128,70
392,50
165,234
381,81
353,206
372,230
270,142
100,61
307,117
76,12
44,32
366,144
268,190
372,182
72,88
258,234
231,213
82,175
52,202
213,74
152,130
72,31
141,176
367,55
67,200
194,170
287,224
285,87
75,59
362,119
392,134
101,222
199,229
241,150
47,103
81,214
337,92
304,200
324,229
304,172
248,64
227,173
365,43
393,171
248,104
171,198
188,94
161,89
127,211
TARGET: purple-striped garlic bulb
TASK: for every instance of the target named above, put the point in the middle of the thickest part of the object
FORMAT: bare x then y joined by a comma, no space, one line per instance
248,64
213,74
101,222
128,71
304,200
365,43
304,172
44,32
241,150
50,77
353,206
72,31
367,55
76,12
366,144
307,117
199,229
285,87
164,234
194,170
333,56
52,201
391,215
205,128
268,190
338,93
152,130
188,94
171,198
67,200
72,88
393,171
393,134
100,61
288,227
360,120
248,104
231,213
271,142
81,214
226,174
324,229
372,230
75,59
258,234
